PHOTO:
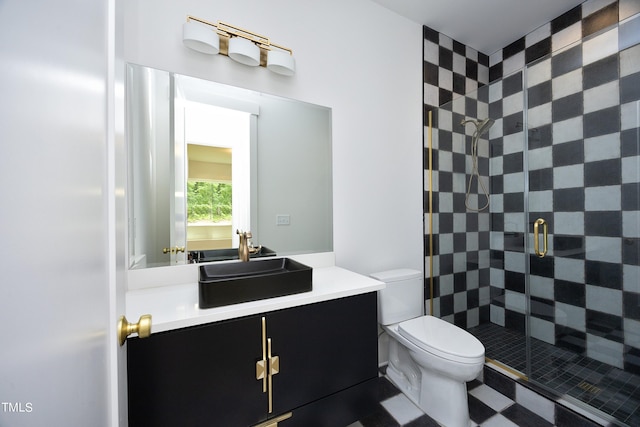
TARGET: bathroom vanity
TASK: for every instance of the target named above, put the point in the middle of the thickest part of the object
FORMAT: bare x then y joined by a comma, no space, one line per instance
307,359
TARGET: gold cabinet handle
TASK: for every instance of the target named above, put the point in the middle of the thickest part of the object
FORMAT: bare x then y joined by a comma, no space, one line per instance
268,366
274,368
142,328
261,365
536,238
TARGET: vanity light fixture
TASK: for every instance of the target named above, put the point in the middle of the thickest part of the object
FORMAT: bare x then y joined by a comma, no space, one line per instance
243,46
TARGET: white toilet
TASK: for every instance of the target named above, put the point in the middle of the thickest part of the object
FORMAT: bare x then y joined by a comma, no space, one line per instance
430,360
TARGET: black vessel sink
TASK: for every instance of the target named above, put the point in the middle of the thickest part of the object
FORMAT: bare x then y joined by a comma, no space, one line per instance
233,283
226,254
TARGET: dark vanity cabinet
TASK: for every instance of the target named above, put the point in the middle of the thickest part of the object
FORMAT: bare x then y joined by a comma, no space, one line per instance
319,366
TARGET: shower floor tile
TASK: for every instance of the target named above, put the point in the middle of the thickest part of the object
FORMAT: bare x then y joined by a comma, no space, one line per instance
604,387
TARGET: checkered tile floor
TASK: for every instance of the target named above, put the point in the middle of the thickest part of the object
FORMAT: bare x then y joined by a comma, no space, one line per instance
500,400
487,407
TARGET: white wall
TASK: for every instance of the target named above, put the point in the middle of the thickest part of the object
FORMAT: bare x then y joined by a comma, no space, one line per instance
353,56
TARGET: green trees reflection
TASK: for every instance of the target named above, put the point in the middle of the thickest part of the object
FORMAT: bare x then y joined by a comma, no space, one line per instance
208,201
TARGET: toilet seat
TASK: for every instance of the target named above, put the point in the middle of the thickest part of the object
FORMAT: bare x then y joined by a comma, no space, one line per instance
442,339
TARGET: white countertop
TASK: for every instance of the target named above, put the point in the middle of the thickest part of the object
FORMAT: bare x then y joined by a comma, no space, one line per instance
176,306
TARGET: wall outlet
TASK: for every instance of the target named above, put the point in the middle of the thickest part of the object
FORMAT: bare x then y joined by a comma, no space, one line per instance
283,219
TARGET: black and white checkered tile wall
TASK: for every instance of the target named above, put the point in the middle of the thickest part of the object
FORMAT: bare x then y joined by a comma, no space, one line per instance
456,78
574,86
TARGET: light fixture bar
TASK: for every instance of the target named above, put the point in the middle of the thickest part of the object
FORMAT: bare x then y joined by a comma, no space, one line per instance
282,48
229,30
246,34
189,18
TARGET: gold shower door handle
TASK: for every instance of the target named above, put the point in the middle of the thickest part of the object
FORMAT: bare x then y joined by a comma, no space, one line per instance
536,237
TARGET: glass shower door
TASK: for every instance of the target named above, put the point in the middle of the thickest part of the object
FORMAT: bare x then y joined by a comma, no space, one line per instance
583,230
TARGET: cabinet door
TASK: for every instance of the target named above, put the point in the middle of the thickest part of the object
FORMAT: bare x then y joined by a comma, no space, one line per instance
323,348
200,376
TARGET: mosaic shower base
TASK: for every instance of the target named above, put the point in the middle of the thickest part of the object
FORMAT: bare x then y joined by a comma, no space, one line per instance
604,387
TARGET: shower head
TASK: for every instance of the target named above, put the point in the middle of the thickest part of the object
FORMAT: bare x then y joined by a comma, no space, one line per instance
482,126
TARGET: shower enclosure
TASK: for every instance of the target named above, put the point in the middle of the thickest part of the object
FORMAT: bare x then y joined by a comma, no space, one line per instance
548,276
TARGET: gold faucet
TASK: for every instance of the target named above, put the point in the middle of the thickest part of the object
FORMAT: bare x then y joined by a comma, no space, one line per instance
245,248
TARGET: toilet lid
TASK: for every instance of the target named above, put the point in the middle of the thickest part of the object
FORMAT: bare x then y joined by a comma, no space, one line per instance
443,339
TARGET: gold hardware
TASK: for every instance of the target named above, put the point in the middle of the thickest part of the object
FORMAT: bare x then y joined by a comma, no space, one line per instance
274,363
274,421
173,250
536,237
268,366
261,372
142,328
243,246
429,139
588,387
261,365
507,368
270,383
226,31
274,368
241,32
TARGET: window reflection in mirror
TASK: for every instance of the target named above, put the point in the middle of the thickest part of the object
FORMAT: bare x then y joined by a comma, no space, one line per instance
218,202
209,201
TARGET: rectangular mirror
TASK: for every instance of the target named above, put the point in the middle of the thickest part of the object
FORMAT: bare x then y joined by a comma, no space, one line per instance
207,159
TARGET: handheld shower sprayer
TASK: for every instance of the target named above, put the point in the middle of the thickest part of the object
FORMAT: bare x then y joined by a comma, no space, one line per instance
482,127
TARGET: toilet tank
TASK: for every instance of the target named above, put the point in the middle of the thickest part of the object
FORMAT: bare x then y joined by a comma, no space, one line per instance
402,299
